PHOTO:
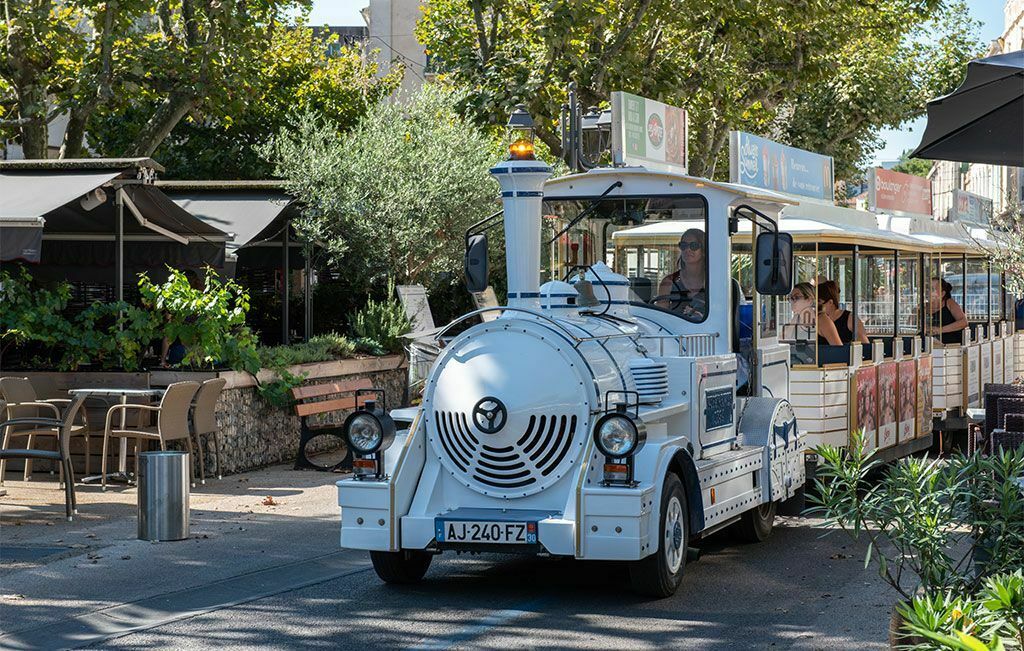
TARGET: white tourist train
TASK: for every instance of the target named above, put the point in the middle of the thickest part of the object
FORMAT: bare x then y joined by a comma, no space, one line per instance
649,391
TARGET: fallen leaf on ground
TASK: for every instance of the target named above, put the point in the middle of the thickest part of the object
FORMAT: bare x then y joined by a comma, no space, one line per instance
90,535
126,558
839,557
269,501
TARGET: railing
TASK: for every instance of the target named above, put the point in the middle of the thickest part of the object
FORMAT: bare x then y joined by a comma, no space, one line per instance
699,345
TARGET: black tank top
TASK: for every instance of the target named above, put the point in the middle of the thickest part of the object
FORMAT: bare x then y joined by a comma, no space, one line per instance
943,318
842,327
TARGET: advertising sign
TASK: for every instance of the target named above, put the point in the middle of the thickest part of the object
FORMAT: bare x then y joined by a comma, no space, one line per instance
887,404
997,361
865,394
972,376
894,192
970,207
908,400
924,395
773,166
648,133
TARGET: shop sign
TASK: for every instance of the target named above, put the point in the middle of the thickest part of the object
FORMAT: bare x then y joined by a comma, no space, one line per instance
648,133
894,192
970,207
771,165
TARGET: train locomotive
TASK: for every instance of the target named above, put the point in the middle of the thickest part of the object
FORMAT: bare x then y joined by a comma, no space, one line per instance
583,422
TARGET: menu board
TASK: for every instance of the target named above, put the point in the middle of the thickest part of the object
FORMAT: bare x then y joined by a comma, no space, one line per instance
907,400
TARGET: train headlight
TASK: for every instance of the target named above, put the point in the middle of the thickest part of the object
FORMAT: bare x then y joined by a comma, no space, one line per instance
618,436
369,431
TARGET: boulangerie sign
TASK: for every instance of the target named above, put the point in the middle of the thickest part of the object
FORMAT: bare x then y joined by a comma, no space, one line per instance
890,191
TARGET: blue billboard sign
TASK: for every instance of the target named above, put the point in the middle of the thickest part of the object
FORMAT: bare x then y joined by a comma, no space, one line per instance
771,165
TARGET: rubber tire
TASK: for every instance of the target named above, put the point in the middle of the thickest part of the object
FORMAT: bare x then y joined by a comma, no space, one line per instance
651,576
756,524
402,567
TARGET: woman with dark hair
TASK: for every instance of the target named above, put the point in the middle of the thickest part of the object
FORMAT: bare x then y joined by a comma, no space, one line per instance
807,310
850,328
948,318
684,290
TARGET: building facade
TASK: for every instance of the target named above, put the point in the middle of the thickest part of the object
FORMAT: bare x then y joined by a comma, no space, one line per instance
1003,185
392,27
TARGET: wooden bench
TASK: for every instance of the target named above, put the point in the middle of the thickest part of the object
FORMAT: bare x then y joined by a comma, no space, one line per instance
328,398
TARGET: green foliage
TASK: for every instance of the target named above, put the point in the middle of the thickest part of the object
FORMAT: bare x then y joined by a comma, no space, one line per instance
209,321
320,348
822,74
993,618
947,524
393,197
278,391
301,69
915,166
112,335
383,322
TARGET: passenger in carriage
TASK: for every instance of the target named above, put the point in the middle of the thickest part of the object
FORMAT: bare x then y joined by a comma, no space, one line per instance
807,311
683,291
948,317
849,327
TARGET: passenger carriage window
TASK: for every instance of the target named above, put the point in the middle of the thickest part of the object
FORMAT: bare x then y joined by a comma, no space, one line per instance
875,301
658,243
910,295
976,301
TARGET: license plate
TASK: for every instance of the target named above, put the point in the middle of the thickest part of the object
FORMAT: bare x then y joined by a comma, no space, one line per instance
489,532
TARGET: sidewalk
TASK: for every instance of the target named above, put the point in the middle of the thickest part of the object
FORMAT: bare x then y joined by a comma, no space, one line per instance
66,583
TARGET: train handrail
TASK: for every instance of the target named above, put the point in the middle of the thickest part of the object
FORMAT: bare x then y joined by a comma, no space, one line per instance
505,308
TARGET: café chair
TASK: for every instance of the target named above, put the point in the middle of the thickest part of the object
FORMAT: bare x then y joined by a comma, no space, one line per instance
204,421
64,426
171,424
23,402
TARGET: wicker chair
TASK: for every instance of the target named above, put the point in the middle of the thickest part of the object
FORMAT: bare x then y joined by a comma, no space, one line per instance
23,402
64,426
204,421
1011,436
993,392
171,423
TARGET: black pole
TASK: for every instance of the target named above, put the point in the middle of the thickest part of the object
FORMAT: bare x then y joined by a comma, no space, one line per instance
896,301
284,282
119,247
921,299
308,298
856,261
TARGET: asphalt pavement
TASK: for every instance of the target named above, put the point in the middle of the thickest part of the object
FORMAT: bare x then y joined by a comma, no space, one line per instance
272,576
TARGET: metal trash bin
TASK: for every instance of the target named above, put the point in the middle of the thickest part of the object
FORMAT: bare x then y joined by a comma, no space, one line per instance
163,495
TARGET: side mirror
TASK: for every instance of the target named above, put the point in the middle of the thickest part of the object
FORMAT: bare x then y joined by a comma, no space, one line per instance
476,264
773,268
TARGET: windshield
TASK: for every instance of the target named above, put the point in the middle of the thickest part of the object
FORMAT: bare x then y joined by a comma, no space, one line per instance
658,243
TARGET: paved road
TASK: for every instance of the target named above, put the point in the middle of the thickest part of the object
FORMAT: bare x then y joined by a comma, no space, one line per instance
796,591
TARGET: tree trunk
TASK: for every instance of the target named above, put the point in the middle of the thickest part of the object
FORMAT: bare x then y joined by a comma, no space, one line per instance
167,116
74,135
36,132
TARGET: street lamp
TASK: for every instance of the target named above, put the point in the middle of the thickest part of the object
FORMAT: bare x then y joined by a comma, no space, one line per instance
520,134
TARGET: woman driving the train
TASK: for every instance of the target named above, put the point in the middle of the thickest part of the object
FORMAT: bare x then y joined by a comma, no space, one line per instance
948,317
683,291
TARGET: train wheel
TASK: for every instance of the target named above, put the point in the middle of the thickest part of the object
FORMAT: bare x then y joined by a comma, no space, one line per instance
659,574
406,566
756,525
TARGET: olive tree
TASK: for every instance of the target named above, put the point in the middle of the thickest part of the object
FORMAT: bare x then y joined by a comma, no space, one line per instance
393,196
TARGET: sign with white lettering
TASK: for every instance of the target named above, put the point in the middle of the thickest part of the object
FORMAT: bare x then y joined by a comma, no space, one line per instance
771,165
648,133
894,192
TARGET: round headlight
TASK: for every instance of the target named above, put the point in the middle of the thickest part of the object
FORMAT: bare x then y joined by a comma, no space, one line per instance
364,433
617,435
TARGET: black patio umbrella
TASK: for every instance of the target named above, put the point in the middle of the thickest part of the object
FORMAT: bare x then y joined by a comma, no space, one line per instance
982,121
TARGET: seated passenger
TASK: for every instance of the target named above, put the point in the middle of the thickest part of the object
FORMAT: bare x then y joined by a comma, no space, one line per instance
683,291
948,318
850,328
807,311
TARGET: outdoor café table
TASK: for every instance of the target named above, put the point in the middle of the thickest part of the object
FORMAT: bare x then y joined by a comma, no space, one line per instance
122,460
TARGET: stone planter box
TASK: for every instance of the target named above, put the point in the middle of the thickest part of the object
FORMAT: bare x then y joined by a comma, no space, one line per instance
254,433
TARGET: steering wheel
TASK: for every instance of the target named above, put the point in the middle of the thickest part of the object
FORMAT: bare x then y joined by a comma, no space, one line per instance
677,299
